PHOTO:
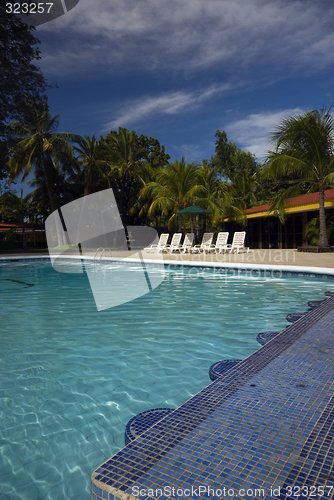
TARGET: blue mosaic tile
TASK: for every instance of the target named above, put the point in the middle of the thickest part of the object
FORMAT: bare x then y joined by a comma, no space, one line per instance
209,426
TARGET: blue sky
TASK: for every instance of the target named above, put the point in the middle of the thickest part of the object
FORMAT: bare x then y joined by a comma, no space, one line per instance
178,70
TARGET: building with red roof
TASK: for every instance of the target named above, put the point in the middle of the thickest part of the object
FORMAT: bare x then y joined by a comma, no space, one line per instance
264,229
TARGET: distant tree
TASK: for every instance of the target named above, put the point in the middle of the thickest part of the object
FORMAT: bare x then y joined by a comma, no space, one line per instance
224,150
17,209
244,179
20,78
155,153
305,149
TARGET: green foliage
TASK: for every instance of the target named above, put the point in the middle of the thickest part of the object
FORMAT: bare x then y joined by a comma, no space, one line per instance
154,153
40,147
313,229
7,239
173,189
212,192
94,169
224,151
16,209
133,162
20,78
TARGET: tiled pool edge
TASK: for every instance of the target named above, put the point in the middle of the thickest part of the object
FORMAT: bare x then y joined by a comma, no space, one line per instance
140,453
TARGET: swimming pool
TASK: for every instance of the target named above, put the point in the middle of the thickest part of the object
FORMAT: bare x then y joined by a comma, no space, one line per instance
71,377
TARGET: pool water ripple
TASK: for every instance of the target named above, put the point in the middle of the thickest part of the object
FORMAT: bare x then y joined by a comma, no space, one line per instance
72,377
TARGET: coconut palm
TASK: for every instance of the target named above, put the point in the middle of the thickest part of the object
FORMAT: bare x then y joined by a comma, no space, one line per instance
174,188
64,189
212,192
40,147
305,148
126,159
93,169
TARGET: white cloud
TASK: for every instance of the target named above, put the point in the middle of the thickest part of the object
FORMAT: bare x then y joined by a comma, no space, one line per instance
252,133
170,103
190,35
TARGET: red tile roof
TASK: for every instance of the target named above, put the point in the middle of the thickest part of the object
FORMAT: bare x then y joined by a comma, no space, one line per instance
4,226
295,201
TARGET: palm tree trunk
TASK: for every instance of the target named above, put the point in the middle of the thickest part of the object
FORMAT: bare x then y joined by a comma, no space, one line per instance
323,240
24,241
61,240
180,223
53,206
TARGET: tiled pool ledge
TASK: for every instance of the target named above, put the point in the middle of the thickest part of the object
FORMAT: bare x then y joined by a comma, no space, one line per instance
262,430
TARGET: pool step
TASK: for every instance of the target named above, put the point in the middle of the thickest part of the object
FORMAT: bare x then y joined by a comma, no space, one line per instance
218,369
295,316
265,337
143,421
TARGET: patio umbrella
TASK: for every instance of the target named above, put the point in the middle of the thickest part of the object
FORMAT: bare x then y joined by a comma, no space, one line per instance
194,210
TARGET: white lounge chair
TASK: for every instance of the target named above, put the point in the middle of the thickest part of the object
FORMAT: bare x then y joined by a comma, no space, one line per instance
205,245
175,243
187,242
238,242
160,246
221,243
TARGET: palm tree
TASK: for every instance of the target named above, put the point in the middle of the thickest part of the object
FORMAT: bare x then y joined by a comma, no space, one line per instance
174,188
212,192
127,161
64,189
305,149
93,169
40,146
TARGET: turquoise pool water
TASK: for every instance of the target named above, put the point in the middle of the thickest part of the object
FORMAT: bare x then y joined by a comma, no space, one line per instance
71,377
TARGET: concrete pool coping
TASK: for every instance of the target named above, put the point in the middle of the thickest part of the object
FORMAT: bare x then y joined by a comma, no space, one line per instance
274,258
